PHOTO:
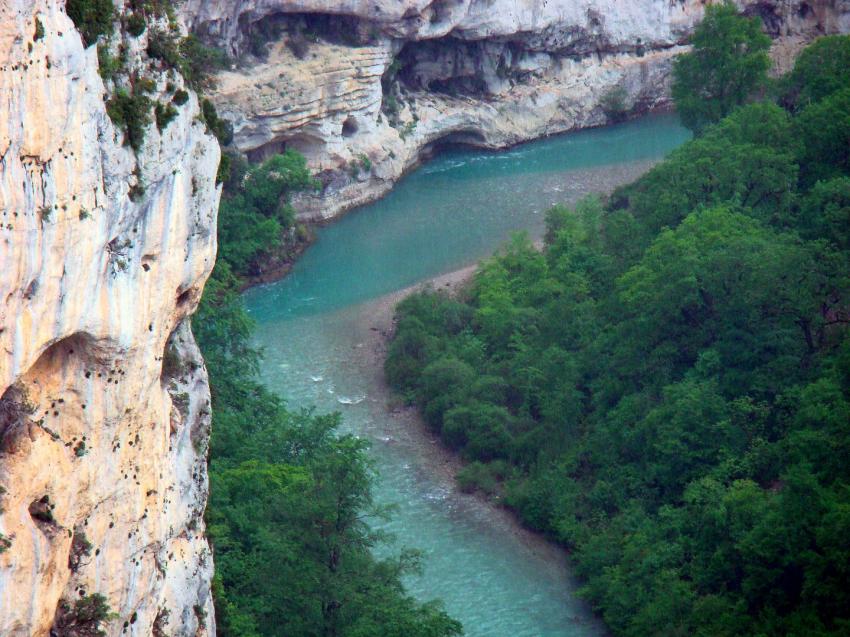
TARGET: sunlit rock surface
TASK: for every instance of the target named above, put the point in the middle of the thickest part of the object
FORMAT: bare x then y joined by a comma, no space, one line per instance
104,415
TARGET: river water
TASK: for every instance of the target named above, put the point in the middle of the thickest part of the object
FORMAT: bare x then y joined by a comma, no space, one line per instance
321,325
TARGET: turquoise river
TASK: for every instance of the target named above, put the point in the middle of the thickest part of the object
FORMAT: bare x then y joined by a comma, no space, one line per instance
322,329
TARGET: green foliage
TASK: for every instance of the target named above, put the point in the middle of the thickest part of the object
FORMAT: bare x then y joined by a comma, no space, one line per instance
144,85
749,158
824,128
164,113
199,62
665,388
136,24
728,64
132,114
39,31
195,61
84,616
820,70
180,97
289,495
252,220
93,18
484,477
217,126
108,65
80,549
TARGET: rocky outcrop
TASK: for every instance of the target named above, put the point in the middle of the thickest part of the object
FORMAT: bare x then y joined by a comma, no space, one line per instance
104,402
366,88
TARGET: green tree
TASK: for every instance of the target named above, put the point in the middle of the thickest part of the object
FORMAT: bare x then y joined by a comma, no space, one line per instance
258,218
728,64
666,387
820,70
824,128
93,18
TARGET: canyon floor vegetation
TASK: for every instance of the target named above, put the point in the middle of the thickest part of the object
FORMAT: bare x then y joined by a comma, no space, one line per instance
665,387
289,495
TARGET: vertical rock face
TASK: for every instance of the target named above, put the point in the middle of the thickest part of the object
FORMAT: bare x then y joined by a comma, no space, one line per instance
366,88
104,402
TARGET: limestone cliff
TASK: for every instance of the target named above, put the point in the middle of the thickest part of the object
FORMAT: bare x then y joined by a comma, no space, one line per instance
104,402
365,88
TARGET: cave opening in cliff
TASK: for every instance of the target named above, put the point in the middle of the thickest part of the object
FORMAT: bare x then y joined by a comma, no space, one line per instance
299,31
349,127
449,66
306,144
468,138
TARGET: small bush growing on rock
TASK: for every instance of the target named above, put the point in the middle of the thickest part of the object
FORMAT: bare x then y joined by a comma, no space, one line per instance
164,114
163,46
145,85
406,130
83,618
180,97
365,162
132,114
109,65
222,175
219,127
136,25
39,31
93,18
80,548
195,61
199,62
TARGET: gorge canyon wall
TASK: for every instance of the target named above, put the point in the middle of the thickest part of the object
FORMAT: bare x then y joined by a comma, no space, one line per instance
104,251
104,402
366,88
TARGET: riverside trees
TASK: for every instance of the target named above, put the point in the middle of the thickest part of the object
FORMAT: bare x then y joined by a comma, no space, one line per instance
288,495
728,63
665,388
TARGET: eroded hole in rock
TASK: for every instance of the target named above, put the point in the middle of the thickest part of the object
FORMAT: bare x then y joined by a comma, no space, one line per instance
79,346
54,406
173,366
450,66
308,145
41,512
345,30
349,127
299,31
15,410
184,297
770,17
457,139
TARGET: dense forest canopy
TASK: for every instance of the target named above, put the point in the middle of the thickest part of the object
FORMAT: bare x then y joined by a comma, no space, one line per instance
665,387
